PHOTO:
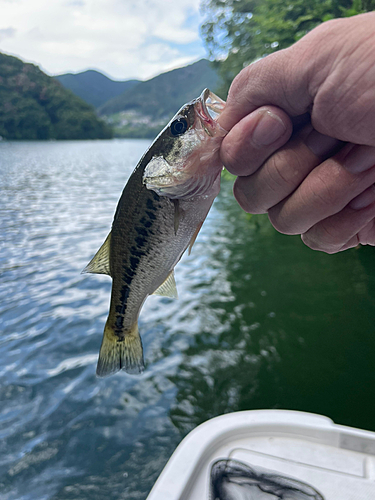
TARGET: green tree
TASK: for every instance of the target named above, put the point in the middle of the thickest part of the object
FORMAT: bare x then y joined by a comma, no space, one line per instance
238,32
35,106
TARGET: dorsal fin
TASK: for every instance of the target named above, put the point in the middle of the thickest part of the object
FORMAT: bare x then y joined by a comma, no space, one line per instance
168,287
99,264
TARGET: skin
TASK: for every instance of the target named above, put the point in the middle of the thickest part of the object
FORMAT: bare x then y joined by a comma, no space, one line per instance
301,136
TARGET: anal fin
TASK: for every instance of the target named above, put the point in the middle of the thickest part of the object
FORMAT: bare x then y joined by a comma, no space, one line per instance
168,287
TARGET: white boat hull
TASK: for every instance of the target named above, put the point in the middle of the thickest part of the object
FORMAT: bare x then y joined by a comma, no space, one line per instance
338,461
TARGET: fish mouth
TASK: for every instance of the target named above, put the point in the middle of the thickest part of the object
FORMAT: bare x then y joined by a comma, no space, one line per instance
209,109
212,105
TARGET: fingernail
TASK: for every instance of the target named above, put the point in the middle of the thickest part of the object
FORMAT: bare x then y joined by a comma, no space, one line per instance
359,159
364,199
268,129
322,145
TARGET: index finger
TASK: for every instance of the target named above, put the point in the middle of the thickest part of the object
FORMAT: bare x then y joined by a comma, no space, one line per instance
254,138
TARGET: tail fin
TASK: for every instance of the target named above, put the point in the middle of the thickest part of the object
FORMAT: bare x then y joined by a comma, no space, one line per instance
118,354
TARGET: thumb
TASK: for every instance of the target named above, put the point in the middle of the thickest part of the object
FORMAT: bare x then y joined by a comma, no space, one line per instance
277,79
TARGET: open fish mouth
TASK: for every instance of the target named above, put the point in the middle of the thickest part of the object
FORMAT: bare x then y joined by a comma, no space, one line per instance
209,109
212,105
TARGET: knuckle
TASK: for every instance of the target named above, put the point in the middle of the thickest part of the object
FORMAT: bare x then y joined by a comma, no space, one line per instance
325,188
247,88
283,168
238,89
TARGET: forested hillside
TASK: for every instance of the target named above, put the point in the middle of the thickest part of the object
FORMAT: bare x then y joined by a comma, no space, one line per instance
35,106
144,109
94,87
163,95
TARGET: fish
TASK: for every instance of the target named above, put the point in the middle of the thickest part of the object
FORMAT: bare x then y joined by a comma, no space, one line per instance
158,217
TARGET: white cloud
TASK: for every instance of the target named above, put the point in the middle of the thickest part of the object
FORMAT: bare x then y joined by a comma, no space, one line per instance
123,38
7,33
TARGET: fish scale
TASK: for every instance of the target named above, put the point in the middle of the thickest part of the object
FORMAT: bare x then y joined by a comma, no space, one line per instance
140,258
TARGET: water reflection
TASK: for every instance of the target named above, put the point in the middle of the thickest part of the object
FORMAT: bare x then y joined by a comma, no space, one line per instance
291,328
262,322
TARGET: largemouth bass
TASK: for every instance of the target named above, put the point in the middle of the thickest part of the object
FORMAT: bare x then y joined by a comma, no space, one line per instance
159,215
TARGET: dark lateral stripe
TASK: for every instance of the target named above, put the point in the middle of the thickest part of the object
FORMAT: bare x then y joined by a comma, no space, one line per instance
136,252
151,215
134,261
120,310
121,307
140,241
125,291
129,272
119,323
150,205
141,230
146,222
127,279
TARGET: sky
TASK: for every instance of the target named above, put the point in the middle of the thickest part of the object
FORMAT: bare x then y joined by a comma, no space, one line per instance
122,38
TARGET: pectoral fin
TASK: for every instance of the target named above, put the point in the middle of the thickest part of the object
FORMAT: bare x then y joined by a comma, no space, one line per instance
194,237
99,264
168,288
177,215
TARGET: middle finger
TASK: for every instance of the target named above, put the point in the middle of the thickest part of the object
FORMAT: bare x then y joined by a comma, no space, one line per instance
284,171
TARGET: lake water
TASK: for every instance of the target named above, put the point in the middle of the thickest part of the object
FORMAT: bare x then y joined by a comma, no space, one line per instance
261,322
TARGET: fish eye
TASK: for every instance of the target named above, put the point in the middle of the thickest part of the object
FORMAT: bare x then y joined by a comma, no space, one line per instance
179,126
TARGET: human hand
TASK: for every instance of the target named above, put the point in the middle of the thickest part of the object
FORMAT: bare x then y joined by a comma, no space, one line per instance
319,181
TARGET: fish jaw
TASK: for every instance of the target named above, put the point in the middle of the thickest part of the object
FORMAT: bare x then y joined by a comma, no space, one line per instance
193,165
208,108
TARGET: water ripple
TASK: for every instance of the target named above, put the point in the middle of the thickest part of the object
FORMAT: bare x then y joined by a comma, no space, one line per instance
257,315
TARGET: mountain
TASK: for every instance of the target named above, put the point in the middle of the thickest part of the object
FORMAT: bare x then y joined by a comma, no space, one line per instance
163,95
35,106
141,109
94,87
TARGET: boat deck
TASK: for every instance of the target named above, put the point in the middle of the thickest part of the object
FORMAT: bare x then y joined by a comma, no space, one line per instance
336,460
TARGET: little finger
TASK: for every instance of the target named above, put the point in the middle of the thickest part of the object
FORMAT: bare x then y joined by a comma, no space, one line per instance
326,190
345,229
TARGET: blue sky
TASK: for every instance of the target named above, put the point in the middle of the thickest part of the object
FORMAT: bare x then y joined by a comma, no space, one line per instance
122,38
